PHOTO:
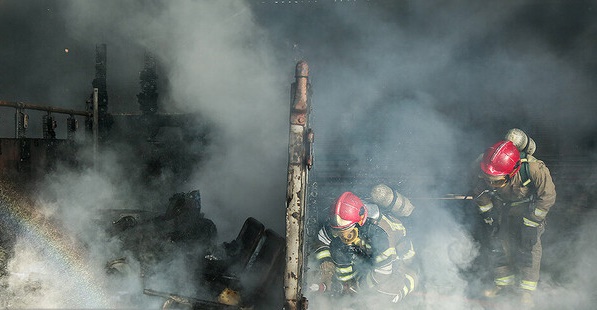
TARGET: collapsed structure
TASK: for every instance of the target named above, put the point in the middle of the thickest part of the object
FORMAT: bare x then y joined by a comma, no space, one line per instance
33,157
249,271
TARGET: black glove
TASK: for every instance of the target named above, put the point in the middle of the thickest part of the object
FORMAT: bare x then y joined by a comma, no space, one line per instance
492,228
490,217
491,222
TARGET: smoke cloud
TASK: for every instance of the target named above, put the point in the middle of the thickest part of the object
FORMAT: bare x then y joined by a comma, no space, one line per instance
404,92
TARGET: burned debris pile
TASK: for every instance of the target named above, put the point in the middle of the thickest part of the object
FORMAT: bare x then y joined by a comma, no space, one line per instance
182,221
241,273
152,236
251,264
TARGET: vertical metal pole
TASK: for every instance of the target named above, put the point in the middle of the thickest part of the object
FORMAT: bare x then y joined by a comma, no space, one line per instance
299,162
95,125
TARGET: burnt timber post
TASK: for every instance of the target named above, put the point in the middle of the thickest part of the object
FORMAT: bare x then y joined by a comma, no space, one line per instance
299,162
95,125
148,97
104,119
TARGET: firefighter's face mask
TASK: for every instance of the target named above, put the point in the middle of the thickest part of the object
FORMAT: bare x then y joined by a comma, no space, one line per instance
495,181
347,236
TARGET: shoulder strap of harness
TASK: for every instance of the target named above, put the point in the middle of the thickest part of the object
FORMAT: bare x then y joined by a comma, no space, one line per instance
525,174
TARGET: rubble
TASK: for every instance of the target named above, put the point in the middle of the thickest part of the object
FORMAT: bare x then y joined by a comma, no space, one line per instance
239,274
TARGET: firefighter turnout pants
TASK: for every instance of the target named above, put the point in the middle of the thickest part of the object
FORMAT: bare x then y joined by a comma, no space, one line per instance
522,259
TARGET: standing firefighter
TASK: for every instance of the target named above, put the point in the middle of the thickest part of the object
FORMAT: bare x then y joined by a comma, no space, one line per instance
363,248
514,194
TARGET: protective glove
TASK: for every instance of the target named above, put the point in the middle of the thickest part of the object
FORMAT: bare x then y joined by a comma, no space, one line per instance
490,215
491,220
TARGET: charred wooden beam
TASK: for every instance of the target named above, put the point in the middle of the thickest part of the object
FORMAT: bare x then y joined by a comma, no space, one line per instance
32,106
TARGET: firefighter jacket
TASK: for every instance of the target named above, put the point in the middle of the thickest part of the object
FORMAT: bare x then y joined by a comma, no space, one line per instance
540,192
378,260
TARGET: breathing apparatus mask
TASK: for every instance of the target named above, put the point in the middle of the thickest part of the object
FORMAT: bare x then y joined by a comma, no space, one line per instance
348,236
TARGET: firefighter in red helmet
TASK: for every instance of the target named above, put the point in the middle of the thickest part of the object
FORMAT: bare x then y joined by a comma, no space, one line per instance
363,248
514,196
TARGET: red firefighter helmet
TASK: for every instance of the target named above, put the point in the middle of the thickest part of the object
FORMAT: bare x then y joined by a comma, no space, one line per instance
346,211
501,159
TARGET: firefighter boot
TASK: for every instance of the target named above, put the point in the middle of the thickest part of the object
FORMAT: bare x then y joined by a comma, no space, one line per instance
502,286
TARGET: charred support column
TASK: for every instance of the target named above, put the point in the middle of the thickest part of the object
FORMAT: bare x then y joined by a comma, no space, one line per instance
95,129
299,162
21,124
49,127
148,77
103,119
148,97
71,127
49,135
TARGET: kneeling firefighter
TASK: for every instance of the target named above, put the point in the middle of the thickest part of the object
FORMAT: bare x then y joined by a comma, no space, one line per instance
363,247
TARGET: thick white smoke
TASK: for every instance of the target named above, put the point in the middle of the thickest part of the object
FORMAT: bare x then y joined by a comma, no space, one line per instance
404,91
221,65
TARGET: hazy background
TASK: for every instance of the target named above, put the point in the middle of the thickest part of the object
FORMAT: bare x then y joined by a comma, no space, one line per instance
404,92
